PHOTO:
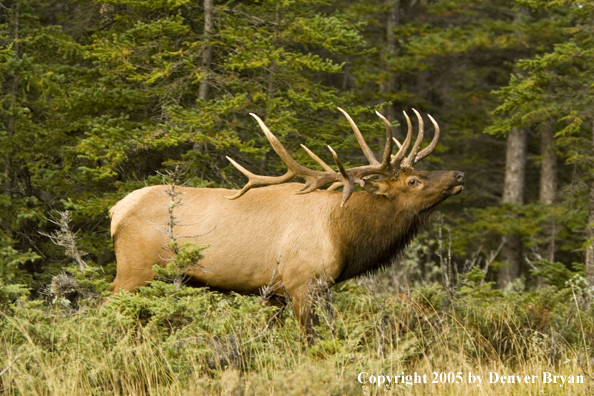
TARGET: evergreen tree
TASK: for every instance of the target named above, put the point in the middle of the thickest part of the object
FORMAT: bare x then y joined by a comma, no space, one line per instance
555,89
38,62
449,59
92,112
99,97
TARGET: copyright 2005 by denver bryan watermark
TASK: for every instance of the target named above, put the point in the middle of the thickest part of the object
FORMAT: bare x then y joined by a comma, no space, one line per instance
458,378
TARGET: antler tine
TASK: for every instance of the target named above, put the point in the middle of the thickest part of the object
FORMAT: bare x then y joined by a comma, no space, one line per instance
344,177
429,149
313,179
389,141
334,186
384,168
317,159
410,160
397,143
280,150
397,159
324,165
348,185
257,180
366,150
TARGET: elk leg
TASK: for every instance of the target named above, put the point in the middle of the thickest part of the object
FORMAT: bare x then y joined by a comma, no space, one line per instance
135,263
306,315
130,280
278,301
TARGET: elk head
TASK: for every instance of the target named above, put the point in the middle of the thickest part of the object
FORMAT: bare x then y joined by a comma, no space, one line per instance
417,190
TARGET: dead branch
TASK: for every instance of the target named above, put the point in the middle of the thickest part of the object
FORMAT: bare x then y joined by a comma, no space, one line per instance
66,238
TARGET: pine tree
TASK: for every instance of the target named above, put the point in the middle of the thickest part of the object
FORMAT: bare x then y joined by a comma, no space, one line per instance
555,89
91,112
451,57
37,63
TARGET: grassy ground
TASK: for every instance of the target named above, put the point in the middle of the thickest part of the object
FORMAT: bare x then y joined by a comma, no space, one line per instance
168,341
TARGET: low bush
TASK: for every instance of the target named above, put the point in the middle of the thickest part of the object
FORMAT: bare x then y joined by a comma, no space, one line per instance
166,340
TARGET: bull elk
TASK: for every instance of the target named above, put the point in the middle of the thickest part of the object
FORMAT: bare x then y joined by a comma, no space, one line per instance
285,236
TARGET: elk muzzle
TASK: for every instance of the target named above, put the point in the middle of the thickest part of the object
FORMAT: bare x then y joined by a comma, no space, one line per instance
458,185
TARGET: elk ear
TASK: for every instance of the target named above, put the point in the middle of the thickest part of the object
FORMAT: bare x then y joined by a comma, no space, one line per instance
378,187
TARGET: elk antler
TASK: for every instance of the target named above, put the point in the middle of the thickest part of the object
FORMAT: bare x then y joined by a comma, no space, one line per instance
313,179
347,178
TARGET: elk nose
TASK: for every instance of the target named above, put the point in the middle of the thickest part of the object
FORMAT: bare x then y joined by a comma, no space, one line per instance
460,176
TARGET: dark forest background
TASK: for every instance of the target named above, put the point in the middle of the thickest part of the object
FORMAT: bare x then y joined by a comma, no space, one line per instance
100,98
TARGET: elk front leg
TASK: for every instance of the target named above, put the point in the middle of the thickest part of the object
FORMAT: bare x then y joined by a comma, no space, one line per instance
302,303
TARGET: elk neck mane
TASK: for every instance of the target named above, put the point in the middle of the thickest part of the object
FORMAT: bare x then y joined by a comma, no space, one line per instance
369,239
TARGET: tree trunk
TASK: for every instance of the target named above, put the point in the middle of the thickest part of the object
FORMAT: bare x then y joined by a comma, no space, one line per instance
389,85
207,53
204,86
106,15
8,159
11,118
548,182
513,192
548,165
590,230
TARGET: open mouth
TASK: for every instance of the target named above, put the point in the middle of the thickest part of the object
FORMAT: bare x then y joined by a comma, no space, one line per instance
456,190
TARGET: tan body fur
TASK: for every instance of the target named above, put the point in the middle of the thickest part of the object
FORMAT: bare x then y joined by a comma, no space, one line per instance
272,236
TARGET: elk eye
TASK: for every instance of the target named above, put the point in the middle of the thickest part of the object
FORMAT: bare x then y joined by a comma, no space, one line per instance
413,182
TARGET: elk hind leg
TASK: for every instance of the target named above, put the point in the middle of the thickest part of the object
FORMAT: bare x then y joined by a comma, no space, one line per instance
131,283
135,260
130,275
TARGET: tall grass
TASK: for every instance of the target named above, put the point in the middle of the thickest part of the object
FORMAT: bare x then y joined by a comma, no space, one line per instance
165,340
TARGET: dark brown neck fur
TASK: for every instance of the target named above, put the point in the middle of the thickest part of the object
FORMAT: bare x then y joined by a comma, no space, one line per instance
368,241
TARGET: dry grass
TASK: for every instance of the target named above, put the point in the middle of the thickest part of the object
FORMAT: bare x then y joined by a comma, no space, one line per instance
168,341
